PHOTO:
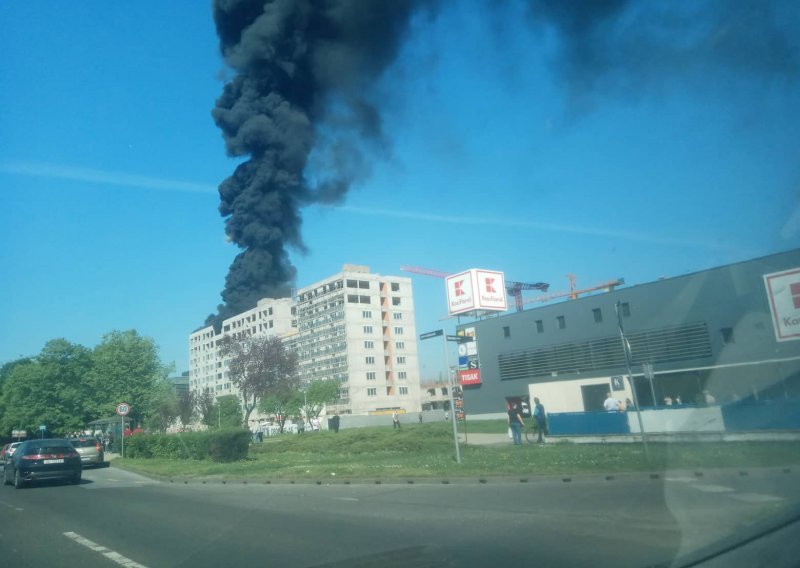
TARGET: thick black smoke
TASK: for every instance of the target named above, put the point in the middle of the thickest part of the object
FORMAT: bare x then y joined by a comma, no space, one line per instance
637,48
303,68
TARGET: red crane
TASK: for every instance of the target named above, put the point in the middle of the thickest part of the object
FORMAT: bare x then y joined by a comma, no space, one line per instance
513,288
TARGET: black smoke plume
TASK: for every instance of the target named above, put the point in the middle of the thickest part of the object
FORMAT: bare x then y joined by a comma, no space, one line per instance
303,71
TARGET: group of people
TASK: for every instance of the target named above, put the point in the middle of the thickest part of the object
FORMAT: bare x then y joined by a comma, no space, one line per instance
516,421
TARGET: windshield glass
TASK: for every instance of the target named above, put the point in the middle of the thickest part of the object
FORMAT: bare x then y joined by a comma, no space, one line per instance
502,280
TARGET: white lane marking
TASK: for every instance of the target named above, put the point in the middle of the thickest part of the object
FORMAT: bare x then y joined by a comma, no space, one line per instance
345,499
713,488
110,554
756,498
681,479
10,506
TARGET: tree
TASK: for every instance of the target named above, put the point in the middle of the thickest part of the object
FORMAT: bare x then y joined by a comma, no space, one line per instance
259,367
318,394
227,413
49,389
187,401
164,407
127,369
281,402
204,404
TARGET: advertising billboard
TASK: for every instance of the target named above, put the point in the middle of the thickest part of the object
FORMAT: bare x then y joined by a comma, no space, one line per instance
476,290
783,293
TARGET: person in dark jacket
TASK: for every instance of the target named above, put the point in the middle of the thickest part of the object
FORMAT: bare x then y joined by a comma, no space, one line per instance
541,419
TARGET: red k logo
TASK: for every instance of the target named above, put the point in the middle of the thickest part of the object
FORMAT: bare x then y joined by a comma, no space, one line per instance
490,286
794,288
459,284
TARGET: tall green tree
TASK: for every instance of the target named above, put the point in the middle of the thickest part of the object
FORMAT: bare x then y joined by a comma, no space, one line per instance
227,413
281,402
187,402
164,407
127,369
317,395
259,367
49,389
204,404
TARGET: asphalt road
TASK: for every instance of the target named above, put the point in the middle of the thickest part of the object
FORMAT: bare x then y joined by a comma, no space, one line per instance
117,518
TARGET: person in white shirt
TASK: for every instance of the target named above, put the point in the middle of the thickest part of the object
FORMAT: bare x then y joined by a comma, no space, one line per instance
611,404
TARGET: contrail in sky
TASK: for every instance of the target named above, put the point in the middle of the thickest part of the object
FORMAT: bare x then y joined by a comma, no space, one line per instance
552,227
90,175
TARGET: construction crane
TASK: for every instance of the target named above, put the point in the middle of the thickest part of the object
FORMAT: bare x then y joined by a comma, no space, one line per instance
513,288
574,293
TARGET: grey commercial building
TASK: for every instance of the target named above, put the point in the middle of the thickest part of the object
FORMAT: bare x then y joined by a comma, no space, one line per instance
727,331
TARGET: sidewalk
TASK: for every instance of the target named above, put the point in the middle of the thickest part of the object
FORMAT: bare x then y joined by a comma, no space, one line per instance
482,439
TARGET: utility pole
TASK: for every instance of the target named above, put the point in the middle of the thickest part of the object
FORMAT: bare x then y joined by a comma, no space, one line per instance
626,346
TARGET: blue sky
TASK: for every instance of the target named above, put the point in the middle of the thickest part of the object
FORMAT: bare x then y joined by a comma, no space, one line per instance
500,155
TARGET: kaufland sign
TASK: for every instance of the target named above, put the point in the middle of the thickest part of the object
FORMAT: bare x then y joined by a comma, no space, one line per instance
476,289
783,292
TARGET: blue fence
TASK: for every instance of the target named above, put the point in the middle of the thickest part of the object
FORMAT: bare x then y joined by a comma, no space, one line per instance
587,423
745,416
763,415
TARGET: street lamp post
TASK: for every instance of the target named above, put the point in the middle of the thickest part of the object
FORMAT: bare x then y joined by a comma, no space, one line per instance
626,346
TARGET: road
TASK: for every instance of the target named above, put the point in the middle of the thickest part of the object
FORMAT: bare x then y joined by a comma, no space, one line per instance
118,518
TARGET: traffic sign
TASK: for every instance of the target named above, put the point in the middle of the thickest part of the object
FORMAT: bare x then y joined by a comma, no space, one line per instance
42,428
123,408
430,334
617,383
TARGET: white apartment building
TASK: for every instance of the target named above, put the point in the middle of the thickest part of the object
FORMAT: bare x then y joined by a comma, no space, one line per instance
354,327
207,370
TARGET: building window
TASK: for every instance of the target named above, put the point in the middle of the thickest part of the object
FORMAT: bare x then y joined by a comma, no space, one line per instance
370,360
366,314
625,308
367,329
403,390
363,284
401,360
395,287
369,345
539,326
597,313
371,376
562,322
372,392
398,331
506,331
397,315
402,375
363,299
352,299
352,284
395,301
727,334
399,344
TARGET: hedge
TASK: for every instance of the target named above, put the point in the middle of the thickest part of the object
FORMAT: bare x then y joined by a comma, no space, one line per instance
217,445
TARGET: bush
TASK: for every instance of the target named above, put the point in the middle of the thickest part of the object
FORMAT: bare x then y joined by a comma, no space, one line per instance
217,445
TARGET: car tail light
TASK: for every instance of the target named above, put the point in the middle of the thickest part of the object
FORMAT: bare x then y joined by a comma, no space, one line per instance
98,447
73,454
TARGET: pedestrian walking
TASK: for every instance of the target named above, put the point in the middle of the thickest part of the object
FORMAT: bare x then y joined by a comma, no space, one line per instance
335,423
541,420
395,420
516,423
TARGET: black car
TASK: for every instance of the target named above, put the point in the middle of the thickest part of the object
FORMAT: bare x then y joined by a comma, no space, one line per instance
43,459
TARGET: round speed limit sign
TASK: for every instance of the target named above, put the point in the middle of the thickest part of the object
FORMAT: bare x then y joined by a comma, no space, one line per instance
123,408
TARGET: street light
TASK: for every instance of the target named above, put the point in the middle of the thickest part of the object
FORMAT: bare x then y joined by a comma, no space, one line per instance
626,346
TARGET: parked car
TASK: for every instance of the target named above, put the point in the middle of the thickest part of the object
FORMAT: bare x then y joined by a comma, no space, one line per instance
90,450
36,460
8,451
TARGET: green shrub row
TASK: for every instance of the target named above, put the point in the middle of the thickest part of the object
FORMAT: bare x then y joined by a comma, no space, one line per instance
216,445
